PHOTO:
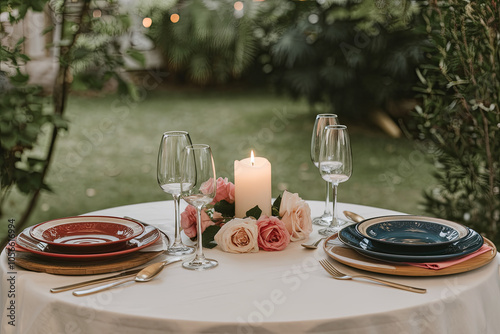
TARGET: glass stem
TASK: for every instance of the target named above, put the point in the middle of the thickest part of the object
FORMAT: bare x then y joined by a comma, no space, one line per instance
199,251
327,199
177,227
334,213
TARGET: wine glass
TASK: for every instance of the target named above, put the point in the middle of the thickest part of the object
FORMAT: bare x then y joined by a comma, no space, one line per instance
322,120
169,178
198,188
335,166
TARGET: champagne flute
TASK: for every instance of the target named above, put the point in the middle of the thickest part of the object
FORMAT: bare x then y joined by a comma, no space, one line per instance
322,120
335,166
169,178
198,188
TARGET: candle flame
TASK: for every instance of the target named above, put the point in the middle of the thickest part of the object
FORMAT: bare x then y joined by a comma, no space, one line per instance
252,158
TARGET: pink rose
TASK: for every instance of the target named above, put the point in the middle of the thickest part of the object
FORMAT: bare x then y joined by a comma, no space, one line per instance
188,221
296,215
207,187
273,235
225,191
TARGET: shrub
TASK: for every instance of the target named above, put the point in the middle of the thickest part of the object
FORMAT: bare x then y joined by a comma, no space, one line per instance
210,42
459,117
355,55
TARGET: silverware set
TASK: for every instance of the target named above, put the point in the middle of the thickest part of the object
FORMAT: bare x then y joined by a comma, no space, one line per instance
144,274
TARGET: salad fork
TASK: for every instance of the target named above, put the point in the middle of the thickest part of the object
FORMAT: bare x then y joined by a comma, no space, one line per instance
335,273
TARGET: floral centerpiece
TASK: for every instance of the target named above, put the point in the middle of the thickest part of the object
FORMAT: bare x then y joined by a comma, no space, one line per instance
290,221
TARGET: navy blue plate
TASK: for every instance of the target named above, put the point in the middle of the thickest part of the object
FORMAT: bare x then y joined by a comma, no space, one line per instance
412,233
350,237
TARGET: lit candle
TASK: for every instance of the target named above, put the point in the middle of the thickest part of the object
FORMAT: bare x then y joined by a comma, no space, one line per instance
252,182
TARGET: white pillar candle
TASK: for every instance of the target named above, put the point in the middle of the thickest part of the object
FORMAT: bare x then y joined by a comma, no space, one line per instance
252,182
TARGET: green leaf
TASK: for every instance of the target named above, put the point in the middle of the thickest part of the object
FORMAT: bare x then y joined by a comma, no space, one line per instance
24,57
19,78
20,41
209,235
137,56
47,30
23,9
36,161
5,128
276,207
254,212
225,208
38,5
10,141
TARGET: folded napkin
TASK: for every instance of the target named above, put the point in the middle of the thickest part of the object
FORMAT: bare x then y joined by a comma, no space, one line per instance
448,263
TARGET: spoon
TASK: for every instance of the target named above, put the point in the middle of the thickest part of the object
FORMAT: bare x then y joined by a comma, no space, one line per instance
313,245
145,275
353,216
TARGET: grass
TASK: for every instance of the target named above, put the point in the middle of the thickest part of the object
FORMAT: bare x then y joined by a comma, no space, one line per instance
108,156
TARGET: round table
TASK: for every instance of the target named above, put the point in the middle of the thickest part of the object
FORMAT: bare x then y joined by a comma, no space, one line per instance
264,292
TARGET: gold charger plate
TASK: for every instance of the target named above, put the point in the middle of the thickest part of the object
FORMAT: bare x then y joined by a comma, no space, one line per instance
33,262
350,257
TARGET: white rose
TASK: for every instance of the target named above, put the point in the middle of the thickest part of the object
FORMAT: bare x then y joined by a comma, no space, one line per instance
296,215
238,236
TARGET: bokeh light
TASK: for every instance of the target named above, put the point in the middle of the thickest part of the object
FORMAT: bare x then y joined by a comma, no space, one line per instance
313,18
238,5
174,18
147,22
96,13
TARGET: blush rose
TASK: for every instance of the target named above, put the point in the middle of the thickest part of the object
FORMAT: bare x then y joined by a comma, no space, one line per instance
225,191
273,235
296,215
238,236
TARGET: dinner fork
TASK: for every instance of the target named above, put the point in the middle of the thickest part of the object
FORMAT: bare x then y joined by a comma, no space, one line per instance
340,275
146,224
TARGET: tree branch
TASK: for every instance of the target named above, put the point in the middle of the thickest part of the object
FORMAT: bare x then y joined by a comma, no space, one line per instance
60,97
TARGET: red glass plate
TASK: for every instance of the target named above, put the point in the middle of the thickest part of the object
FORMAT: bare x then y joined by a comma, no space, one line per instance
87,234
26,243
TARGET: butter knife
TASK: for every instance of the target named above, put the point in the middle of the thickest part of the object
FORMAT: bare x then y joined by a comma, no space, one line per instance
127,273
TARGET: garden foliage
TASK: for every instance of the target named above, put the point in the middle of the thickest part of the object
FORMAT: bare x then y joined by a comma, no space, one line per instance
24,114
87,43
354,55
211,43
459,117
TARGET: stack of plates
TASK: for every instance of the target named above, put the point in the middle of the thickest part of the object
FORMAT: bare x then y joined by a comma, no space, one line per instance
86,238
411,239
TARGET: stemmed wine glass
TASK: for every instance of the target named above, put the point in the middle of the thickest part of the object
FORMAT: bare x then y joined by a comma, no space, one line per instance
169,178
335,166
322,120
198,188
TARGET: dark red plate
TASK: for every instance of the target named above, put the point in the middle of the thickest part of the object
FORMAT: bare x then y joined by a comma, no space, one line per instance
26,243
87,234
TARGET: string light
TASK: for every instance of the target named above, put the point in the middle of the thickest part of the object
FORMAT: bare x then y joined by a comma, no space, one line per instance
238,5
174,18
147,22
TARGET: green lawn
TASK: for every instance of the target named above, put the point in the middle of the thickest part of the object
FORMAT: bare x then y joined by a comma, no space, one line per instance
108,156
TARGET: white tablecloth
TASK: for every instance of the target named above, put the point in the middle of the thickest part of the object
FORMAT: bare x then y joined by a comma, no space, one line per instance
264,292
